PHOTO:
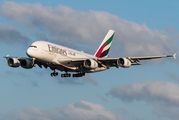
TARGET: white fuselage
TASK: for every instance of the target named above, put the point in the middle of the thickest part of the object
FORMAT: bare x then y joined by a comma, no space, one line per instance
53,54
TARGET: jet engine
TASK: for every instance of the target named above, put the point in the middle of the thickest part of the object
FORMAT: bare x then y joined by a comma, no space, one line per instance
124,62
27,63
13,62
90,63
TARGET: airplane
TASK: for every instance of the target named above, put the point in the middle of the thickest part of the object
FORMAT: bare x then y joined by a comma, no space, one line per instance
57,57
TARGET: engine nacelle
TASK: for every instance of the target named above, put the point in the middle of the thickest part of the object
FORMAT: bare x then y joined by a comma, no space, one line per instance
13,62
123,62
90,63
27,63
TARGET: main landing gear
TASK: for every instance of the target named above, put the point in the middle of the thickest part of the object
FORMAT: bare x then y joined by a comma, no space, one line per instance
54,74
68,75
79,75
74,75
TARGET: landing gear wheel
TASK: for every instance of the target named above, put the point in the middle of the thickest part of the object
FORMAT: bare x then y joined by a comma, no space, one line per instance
54,74
51,74
79,75
62,75
66,75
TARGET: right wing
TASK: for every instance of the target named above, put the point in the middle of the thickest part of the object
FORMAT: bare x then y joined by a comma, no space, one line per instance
24,62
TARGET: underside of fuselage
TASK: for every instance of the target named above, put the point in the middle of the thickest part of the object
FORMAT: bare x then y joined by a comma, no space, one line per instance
79,71
64,68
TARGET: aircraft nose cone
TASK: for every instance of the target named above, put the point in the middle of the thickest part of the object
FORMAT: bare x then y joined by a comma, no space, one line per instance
29,52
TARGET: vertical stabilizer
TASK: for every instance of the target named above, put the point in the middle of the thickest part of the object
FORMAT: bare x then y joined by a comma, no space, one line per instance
105,45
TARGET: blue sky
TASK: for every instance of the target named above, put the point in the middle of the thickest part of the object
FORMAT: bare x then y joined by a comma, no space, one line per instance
149,91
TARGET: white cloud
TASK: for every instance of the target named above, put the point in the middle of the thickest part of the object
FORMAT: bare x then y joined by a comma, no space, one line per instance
71,26
163,96
11,35
89,79
151,91
166,111
87,110
174,76
81,110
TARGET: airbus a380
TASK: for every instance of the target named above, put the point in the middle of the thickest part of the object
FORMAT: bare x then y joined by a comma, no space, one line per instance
61,58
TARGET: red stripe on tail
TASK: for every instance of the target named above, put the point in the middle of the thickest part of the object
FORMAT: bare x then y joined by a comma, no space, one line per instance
100,50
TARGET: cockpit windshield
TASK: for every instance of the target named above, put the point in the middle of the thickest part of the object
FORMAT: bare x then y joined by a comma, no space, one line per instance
33,46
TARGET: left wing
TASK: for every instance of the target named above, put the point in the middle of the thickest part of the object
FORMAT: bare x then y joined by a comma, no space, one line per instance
128,61
152,57
108,62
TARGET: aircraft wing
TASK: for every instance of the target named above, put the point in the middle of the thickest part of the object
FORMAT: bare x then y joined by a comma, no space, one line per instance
151,57
133,60
140,58
110,62
18,58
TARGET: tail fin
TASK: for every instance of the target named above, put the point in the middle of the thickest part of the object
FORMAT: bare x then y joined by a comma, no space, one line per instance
105,45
